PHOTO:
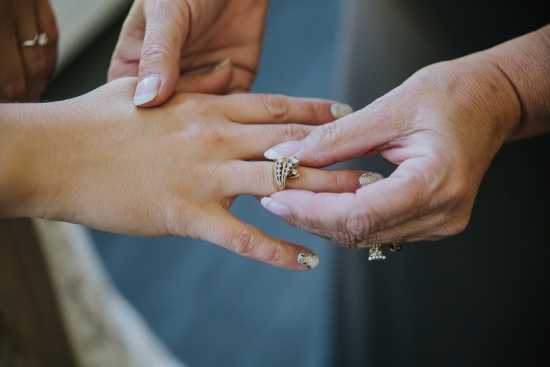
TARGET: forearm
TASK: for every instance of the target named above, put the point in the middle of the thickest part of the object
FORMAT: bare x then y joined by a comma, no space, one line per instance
525,61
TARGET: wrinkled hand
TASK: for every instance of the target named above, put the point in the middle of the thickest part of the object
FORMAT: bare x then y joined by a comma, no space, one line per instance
164,39
442,127
99,161
24,72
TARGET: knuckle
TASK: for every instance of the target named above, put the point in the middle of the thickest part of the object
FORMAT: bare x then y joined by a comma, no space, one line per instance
154,53
290,132
345,239
276,106
361,223
455,227
210,135
245,242
340,181
459,192
327,133
320,111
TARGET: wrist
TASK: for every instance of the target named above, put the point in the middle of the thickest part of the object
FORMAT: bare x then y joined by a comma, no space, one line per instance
25,143
15,191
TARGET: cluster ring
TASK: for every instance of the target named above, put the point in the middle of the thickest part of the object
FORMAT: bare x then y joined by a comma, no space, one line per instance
284,169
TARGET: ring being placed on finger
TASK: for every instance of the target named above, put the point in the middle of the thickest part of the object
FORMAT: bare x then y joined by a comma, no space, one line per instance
38,40
285,168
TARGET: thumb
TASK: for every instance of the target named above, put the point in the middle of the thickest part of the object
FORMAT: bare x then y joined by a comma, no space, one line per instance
351,136
167,26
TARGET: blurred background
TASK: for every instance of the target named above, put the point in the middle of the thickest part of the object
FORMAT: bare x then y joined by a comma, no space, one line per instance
479,298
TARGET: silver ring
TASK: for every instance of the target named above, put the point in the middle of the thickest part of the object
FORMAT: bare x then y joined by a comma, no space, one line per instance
38,40
285,168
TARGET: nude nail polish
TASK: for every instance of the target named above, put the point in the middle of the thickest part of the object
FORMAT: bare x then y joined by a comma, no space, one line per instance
340,110
283,150
147,89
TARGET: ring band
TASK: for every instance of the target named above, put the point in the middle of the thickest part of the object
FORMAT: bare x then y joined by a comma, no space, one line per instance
284,169
38,40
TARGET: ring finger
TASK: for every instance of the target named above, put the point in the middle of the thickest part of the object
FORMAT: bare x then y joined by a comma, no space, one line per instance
260,179
32,57
254,140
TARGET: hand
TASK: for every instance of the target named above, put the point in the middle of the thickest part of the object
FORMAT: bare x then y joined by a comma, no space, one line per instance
99,161
163,40
25,71
442,127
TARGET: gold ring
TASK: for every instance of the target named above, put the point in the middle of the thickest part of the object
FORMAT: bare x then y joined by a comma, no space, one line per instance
38,40
285,168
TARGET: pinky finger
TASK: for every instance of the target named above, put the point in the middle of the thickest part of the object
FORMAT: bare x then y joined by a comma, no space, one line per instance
225,230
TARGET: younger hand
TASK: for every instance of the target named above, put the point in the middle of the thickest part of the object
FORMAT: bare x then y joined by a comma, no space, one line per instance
99,161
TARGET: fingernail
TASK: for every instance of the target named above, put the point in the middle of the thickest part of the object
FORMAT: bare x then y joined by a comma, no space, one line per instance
221,64
308,260
368,178
275,207
340,110
147,89
283,150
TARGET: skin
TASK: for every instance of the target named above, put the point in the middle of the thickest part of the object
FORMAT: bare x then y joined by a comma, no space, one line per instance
174,37
99,161
442,126
24,72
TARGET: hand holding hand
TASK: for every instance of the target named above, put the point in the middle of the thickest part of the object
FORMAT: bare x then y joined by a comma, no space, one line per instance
163,40
24,71
99,161
442,127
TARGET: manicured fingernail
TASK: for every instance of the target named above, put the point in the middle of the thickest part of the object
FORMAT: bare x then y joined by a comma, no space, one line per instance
147,89
221,64
308,260
283,150
340,110
368,178
275,207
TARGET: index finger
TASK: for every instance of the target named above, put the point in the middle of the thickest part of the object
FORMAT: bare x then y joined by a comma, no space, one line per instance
278,109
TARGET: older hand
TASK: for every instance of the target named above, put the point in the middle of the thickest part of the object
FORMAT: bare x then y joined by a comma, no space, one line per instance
24,71
99,161
442,127
163,40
